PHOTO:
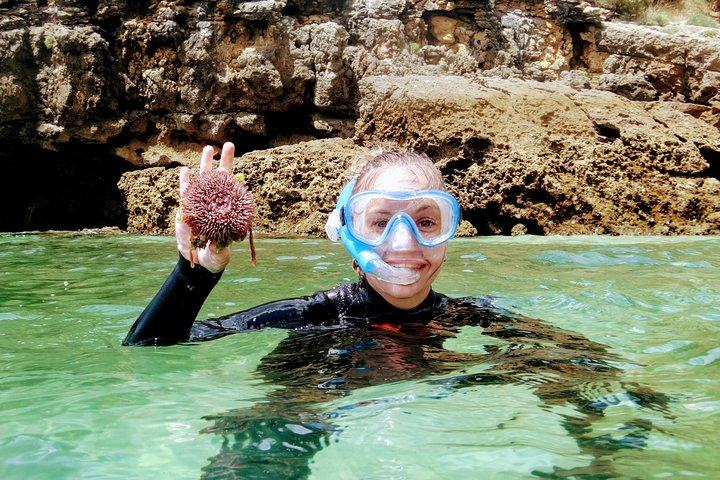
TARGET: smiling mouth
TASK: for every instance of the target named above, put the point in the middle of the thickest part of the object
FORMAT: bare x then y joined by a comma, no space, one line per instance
404,273
413,266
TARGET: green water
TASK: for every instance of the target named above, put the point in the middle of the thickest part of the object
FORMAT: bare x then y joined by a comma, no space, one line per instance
75,404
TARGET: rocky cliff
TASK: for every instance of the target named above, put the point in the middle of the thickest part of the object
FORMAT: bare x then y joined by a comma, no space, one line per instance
545,117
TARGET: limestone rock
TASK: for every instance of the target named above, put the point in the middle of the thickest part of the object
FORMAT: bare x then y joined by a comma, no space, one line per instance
295,188
551,158
547,117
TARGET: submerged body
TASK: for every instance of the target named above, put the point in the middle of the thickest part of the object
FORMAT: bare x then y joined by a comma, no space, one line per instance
349,337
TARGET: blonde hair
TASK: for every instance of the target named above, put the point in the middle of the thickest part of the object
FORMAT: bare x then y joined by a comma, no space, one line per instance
368,168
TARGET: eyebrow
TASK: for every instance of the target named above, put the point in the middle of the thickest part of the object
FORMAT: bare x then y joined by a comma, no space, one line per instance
385,211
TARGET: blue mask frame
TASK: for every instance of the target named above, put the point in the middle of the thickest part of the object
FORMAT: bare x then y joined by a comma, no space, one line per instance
403,217
367,259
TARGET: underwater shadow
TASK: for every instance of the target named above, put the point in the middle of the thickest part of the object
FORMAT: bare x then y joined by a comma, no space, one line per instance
278,437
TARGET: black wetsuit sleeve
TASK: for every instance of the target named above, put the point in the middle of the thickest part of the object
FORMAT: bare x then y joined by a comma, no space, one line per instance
292,313
170,315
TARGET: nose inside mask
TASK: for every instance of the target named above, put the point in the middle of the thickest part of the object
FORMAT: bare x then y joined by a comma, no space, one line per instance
401,237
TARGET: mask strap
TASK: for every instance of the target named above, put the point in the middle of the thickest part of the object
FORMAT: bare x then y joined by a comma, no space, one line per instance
335,221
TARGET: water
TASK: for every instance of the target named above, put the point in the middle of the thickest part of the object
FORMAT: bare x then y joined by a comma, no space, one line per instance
75,404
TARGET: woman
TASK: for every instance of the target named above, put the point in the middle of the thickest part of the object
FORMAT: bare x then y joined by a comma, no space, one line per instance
395,219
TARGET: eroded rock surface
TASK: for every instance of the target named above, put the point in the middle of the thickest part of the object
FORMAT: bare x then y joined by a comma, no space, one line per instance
544,158
295,188
546,117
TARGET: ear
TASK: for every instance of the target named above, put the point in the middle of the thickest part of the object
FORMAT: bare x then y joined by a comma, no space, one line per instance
357,269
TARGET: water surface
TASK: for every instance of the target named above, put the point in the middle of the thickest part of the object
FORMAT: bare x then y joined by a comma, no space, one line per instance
75,404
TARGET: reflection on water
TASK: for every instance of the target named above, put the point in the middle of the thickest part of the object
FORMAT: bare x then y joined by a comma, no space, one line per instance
550,400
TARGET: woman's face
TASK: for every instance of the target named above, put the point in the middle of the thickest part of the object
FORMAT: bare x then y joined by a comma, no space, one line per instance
402,249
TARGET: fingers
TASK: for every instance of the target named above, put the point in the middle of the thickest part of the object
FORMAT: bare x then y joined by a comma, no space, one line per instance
206,158
227,156
213,258
182,235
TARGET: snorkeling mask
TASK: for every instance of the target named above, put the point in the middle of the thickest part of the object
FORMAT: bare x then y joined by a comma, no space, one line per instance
369,218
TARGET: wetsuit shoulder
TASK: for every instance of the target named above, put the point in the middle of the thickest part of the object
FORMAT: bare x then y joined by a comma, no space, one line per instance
348,304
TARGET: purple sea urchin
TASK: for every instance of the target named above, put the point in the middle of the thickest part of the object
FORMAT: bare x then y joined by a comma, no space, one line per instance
218,208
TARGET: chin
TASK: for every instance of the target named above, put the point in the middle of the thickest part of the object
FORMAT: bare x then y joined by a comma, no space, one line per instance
402,296
406,291
409,296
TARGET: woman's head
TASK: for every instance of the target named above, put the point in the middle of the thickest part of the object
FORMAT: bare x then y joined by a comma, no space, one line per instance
399,211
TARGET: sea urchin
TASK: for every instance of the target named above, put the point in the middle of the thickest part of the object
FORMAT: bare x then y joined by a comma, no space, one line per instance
218,208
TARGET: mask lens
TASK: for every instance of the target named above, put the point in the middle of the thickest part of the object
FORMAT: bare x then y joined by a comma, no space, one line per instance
432,216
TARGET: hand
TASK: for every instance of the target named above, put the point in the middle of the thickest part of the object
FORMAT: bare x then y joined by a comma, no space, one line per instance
209,256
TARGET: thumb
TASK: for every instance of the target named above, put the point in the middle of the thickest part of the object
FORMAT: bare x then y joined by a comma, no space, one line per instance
184,179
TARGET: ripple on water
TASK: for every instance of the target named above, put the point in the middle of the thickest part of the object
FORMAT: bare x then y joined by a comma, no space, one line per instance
110,310
23,450
671,346
478,257
33,251
591,259
599,259
712,406
322,265
714,317
557,301
14,316
710,357
618,299
245,280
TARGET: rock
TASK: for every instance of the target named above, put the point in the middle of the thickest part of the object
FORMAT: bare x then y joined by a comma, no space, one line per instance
150,197
465,229
526,106
295,188
260,10
518,229
554,159
646,63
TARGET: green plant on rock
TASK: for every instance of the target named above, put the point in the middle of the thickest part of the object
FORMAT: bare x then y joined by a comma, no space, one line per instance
663,12
702,20
654,16
49,41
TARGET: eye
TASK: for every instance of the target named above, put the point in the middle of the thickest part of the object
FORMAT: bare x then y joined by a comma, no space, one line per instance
426,224
380,223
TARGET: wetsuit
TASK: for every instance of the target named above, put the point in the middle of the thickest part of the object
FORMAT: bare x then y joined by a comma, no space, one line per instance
350,337
170,316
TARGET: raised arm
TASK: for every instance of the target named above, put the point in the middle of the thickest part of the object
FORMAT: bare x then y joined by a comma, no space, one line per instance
170,315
